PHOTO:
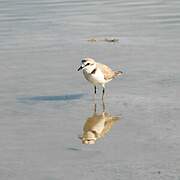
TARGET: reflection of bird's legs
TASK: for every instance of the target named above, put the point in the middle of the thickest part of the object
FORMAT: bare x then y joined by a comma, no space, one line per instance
94,108
103,105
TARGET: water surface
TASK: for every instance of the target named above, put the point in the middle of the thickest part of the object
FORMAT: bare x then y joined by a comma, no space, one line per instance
41,45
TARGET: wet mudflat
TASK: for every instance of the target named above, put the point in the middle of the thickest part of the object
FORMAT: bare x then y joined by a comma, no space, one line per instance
45,102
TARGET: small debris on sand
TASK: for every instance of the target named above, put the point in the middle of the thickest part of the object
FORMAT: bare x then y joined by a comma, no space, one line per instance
111,39
92,40
107,39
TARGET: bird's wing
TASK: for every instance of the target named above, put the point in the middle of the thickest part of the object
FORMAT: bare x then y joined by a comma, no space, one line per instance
108,72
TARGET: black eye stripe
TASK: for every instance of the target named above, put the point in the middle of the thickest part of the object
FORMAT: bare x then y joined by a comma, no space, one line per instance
83,61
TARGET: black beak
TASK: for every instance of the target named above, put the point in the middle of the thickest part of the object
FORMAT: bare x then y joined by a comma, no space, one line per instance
80,68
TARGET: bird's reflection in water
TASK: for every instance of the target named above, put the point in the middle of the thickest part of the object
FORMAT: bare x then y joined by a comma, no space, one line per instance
97,126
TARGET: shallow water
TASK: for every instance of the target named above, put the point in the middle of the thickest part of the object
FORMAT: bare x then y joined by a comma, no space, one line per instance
45,102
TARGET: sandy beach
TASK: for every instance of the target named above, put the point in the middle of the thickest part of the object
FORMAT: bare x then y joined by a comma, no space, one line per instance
45,101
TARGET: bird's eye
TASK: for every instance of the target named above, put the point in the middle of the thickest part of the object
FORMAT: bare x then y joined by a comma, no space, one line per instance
87,64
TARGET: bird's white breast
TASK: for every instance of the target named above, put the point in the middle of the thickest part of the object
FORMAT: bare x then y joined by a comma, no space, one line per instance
96,78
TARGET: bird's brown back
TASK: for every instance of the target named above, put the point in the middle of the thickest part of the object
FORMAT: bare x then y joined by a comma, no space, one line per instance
107,71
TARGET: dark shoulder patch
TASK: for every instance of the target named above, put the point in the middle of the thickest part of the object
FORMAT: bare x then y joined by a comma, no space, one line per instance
94,71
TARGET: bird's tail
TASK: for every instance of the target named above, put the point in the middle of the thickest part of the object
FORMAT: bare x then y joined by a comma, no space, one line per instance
117,73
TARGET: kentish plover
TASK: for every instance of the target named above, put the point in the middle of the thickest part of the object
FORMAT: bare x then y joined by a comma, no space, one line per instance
97,73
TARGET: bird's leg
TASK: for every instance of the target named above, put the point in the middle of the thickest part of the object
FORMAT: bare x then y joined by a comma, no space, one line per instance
94,89
103,92
94,93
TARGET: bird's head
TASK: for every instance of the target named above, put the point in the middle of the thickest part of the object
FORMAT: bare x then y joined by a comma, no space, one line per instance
87,64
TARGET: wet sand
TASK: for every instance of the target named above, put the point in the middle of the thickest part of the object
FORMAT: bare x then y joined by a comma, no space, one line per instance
45,102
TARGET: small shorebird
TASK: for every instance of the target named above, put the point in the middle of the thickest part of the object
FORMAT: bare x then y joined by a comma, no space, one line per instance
97,73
